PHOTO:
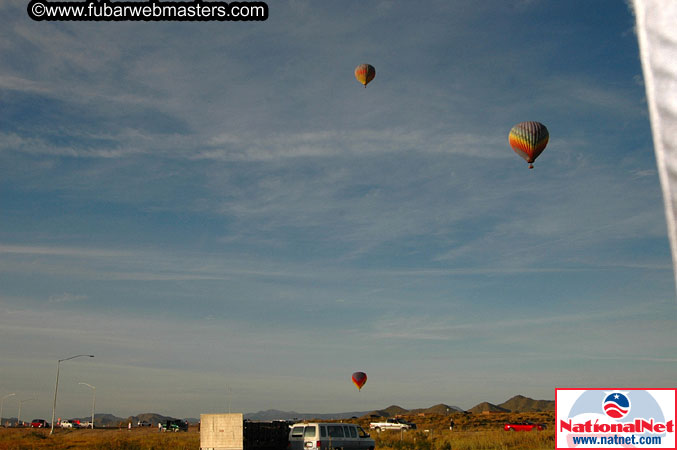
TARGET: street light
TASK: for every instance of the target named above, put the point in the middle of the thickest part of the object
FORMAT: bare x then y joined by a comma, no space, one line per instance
93,399
21,402
56,386
2,400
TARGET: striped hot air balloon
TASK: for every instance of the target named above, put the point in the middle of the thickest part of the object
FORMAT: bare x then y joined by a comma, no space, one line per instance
528,139
359,378
365,73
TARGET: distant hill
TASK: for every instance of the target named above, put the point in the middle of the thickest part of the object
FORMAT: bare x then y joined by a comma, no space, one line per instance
274,414
486,407
520,403
390,411
438,409
152,418
109,420
102,420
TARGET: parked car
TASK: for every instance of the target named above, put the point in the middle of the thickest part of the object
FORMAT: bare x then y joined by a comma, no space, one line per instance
175,425
143,423
524,426
39,423
392,424
66,424
326,436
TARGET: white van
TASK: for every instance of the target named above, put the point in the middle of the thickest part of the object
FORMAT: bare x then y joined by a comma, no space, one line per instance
329,436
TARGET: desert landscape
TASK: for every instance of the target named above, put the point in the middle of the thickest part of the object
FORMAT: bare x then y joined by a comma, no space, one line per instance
472,432
479,428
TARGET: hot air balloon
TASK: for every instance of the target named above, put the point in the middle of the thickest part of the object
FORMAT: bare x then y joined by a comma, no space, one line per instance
365,73
529,139
359,378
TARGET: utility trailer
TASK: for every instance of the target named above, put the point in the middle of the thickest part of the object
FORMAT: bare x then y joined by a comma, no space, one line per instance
231,432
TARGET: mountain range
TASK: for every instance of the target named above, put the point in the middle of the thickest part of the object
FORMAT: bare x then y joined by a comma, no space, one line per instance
518,403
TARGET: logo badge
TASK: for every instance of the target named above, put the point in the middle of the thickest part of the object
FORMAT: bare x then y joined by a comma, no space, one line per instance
615,418
616,405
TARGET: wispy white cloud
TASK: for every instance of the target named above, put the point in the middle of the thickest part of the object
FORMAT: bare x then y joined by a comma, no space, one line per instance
133,264
356,144
16,83
61,251
599,335
451,329
68,298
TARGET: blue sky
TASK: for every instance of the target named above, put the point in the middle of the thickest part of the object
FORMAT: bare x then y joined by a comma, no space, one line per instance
222,215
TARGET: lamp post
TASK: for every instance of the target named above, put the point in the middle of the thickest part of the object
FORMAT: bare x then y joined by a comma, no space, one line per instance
2,400
56,386
93,399
21,402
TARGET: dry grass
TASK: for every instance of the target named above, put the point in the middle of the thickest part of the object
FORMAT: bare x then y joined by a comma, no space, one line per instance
99,439
467,440
472,432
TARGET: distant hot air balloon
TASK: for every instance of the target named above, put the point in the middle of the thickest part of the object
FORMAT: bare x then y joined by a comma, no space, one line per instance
365,73
529,139
359,378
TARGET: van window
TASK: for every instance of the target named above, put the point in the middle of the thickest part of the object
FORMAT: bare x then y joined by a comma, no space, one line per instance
309,432
297,432
323,431
346,433
362,433
335,431
353,432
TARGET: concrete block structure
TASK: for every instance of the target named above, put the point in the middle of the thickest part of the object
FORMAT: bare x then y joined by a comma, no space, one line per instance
221,432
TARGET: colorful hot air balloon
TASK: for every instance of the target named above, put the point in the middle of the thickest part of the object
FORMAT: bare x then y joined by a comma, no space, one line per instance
365,73
359,378
529,139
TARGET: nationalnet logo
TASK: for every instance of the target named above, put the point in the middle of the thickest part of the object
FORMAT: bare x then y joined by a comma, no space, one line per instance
616,405
615,418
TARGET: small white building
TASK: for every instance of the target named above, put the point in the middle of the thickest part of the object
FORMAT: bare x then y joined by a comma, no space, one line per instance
221,432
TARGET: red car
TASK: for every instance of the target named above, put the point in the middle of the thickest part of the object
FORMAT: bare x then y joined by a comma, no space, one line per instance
524,426
39,423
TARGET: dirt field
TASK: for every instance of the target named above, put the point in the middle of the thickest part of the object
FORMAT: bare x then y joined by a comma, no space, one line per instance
472,432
